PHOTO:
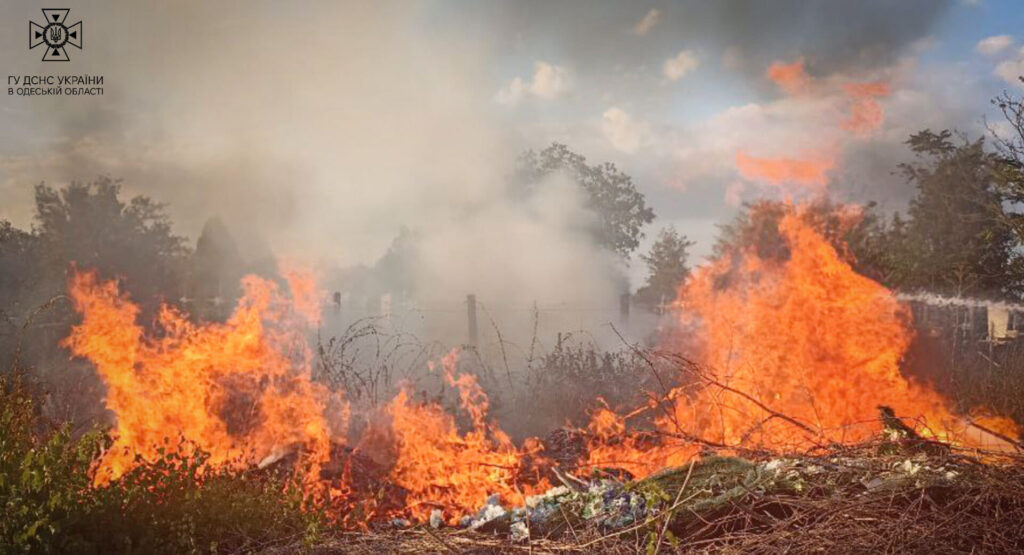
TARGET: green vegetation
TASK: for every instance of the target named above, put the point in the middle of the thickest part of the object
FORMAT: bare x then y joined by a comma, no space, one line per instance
49,505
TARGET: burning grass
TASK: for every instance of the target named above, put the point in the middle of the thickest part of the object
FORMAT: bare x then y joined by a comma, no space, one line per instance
897,493
767,428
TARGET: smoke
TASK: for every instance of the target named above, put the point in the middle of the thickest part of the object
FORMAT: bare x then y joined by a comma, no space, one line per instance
549,236
934,299
321,129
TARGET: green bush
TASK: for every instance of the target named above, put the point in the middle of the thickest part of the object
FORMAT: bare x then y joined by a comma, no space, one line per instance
49,505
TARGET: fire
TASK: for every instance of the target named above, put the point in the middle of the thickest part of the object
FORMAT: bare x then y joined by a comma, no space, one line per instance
791,78
443,469
240,391
803,334
306,294
810,172
609,446
795,350
865,112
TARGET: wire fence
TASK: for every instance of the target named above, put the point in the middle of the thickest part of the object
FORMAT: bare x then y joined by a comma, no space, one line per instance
487,324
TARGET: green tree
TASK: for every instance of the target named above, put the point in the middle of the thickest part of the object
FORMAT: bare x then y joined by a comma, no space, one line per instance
958,238
621,210
88,224
17,250
667,267
860,235
1009,146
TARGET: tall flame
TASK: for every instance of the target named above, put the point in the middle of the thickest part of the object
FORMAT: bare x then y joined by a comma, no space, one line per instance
796,350
803,334
240,391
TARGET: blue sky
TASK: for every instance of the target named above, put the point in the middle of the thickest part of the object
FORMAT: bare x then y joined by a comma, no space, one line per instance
938,76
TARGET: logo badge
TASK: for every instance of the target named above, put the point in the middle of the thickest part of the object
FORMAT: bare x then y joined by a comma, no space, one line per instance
55,35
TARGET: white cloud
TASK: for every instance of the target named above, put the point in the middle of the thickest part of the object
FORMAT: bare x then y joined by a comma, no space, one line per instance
994,45
625,133
549,81
786,127
676,68
649,21
1011,70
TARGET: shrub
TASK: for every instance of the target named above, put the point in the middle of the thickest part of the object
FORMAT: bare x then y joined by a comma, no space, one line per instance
49,504
565,384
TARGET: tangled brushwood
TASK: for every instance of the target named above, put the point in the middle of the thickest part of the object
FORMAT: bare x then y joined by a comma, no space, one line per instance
875,497
897,493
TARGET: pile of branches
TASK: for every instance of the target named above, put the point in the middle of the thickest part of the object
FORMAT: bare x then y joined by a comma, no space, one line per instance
865,498
898,493
861,499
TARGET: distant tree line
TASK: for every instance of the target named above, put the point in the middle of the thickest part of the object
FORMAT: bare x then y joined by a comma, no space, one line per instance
961,234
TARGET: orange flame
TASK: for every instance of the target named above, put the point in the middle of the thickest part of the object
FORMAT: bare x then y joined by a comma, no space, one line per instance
811,172
865,112
306,295
609,446
242,393
805,336
800,351
442,469
791,78
797,350
239,391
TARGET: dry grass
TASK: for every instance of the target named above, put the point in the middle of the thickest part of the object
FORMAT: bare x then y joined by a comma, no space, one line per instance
859,499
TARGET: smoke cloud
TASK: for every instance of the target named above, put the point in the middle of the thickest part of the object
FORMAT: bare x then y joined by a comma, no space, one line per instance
323,129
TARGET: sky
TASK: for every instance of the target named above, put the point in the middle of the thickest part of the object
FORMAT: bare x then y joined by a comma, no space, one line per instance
321,128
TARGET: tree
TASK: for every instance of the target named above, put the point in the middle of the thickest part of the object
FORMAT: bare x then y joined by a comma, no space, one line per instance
621,210
666,264
214,272
20,268
857,232
396,271
89,225
958,238
1010,150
